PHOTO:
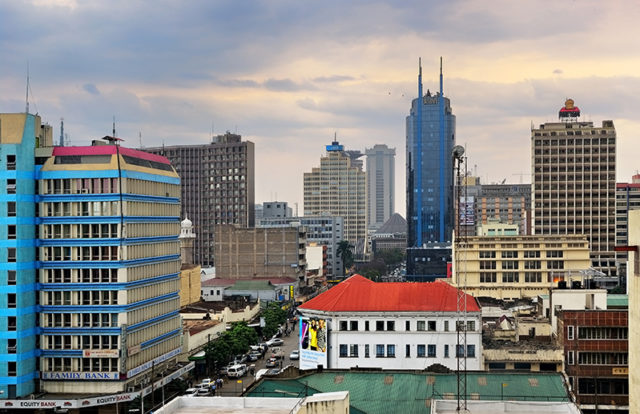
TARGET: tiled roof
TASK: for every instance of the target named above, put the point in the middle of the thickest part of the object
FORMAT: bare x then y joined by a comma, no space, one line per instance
359,294
411,392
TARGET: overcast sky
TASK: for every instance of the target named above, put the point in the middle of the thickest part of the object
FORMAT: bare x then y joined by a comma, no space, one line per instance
287,75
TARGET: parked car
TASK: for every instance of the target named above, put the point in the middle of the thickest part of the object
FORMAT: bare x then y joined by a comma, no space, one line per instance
206,381
272,363
240,359
191,392
237,371
256,348
255,355
294,355
275,342
203,392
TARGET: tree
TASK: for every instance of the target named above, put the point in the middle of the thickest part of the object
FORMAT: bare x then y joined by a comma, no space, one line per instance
346,254
274,316
392,257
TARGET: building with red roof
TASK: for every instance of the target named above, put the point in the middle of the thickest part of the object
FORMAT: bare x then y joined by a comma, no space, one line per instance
388,325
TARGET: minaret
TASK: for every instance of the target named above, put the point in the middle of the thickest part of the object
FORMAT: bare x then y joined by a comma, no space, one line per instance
186,241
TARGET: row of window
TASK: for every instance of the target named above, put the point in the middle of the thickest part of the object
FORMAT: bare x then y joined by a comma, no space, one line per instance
597,332
81,320
527,264
389,351
513,254
598,358
510,277
79,275
85,297
420,325
80,342
80,364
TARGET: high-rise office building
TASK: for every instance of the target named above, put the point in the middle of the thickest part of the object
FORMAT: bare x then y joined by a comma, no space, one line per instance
574,182
91,291
275,209
431,127
21,136
109,270
338,188
627,199
380,184
218,187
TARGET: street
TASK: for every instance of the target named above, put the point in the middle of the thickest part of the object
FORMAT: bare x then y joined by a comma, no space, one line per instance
234,386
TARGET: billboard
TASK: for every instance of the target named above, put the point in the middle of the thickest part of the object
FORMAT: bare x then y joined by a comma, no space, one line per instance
467,211
313,342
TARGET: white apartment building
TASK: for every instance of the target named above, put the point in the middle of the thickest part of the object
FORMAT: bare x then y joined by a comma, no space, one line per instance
394,326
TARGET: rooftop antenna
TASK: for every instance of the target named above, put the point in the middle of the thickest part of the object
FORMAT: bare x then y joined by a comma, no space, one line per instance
113,131
140,138
26,99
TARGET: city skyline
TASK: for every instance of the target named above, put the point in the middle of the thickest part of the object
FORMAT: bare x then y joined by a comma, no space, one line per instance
287,76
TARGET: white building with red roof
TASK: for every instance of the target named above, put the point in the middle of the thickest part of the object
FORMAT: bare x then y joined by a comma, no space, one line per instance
360,323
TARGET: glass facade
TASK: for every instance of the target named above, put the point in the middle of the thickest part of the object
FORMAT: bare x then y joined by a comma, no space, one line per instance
430,210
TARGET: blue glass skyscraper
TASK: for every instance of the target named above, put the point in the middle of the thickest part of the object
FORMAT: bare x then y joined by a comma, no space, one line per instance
431,127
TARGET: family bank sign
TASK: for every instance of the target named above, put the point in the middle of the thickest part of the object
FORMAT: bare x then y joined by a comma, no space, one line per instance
87,376
84,402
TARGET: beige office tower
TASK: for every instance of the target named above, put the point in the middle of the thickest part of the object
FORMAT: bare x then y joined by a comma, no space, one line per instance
337,188
574,182
380,184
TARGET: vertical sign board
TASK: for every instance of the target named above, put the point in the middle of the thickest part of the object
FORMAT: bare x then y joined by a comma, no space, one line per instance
313,342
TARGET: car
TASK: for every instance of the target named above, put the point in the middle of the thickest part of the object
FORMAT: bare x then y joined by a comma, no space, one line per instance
190,392
255,355
257,348
237,371
240,359
272,363
206,381
203,392
275,342
294,355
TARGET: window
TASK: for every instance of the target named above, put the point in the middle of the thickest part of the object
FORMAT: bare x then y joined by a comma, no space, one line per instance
510,277
533,277
354,325
407,325
554,253
532,254
11,277
11,162
421,325
421,351
11,254
391,326
488,277
11,368
431,350
366,325
555,264
12,345
343,351
407,351
379,351
11,300
379,325
532,264
446,326
11,208
570,333
11,323
366,350
11,186
471,351
471,326
446,351
509,254
391,351
488,265
510,264
431,326
570,360
353,350
484,254
343,325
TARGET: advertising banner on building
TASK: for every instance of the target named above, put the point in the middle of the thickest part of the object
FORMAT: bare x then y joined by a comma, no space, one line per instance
467,211
313,343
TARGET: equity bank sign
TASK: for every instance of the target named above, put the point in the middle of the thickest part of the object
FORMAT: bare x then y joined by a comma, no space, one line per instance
86,376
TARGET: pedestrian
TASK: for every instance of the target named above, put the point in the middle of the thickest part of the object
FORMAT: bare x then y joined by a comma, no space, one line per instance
213,388
221,382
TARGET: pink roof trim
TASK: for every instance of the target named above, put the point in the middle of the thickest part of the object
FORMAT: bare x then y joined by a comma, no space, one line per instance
108,150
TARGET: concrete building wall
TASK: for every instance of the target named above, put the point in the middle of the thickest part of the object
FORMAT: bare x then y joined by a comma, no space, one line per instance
574,184
380,184
245,253
189,285
634,311
512,267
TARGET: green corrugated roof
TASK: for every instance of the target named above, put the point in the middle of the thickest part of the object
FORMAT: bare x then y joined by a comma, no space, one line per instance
251,285
388,392
618,301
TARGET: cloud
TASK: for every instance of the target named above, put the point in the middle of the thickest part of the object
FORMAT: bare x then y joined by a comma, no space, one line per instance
91,88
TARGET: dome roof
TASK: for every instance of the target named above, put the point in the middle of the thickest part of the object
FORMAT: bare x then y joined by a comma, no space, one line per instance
186,223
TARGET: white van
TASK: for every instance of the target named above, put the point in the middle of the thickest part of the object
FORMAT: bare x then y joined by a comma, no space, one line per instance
237,371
